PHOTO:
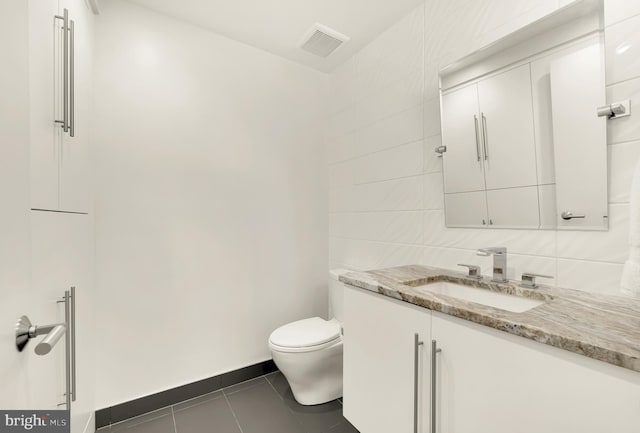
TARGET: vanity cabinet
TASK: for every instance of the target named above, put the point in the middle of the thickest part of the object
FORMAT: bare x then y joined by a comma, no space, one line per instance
60,171
489,381
379,370
488,131
486,380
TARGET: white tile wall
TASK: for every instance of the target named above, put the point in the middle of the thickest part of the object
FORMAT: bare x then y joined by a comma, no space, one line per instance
390,212
622,44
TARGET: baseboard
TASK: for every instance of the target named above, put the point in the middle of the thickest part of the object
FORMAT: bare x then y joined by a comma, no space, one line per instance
149,403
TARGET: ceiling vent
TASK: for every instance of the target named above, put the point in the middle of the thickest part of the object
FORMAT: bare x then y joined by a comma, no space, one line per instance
322,41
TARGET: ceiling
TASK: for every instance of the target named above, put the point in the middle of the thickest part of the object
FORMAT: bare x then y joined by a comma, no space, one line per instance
277,26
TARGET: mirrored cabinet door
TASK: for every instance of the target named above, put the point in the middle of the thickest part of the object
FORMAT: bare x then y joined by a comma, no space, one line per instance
463,159
507,129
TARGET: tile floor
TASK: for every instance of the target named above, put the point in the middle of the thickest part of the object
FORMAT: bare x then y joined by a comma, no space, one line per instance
261,405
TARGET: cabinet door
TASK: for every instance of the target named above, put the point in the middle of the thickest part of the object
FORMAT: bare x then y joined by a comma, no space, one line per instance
489,381
507,118
44,86
62,256
74,151
466,209
60,171
379,363
462,162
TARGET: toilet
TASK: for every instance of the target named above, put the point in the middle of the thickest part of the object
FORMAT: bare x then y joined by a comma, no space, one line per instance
308,352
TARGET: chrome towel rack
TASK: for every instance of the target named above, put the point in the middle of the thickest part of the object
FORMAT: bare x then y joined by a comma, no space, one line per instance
26,331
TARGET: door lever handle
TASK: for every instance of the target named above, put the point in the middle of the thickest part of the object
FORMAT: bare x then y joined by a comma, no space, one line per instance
568,215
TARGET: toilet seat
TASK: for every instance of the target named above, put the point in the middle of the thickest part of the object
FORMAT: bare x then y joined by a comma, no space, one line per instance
305,335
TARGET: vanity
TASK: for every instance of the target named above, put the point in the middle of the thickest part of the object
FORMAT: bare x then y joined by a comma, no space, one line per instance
433,350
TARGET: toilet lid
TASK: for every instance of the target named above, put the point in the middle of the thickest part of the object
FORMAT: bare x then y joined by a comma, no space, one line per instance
305,333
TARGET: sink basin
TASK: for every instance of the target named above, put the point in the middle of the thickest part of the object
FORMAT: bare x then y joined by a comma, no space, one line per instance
516,304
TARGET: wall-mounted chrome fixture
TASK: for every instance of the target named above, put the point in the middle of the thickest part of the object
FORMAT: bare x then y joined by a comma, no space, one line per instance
440,150
26,331
615,110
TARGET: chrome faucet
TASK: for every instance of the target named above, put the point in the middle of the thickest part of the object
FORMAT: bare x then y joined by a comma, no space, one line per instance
499,262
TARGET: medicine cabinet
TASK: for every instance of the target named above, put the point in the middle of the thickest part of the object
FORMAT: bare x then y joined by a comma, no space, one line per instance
522,144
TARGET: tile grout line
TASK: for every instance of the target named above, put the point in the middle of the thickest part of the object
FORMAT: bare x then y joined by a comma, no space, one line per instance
274,390
243,389
173,416
293,414
232,411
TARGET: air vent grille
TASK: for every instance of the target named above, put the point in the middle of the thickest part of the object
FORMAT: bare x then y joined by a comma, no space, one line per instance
322,41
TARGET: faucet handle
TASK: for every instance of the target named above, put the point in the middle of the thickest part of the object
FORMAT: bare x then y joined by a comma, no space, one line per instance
529,279
474,271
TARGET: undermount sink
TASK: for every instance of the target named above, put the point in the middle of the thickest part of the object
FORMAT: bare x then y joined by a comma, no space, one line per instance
516,304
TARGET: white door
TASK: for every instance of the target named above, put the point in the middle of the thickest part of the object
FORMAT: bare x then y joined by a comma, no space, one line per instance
462,162
506,113
379,342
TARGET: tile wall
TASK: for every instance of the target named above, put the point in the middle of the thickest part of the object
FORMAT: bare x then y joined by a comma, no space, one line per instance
386,193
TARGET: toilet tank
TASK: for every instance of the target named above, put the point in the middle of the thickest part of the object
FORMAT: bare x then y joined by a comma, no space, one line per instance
336,294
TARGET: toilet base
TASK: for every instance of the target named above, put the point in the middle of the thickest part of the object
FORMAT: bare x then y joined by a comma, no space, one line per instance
314,377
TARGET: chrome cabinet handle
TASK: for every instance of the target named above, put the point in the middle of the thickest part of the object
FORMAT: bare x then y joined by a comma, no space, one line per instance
568,215
65,73
416,365
72,82
434,377
475,119
485,144
68,87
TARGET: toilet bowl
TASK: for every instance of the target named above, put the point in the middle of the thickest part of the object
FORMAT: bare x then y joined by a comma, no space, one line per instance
308,352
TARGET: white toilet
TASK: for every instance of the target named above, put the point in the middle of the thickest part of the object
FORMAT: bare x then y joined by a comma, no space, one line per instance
309,352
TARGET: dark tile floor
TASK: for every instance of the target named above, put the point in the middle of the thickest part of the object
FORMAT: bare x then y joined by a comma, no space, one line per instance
261,405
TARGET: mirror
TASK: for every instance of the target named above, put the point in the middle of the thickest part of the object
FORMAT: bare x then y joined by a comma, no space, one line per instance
522,144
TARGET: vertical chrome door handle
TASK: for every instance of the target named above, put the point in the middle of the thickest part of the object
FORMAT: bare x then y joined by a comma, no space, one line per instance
67,348
475,120
485,145
72,325
416,367
434,377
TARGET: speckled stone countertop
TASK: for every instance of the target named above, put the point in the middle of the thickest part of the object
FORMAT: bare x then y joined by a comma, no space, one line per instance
603,327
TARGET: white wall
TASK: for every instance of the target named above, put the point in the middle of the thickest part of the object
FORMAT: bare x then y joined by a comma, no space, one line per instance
211,224
386,197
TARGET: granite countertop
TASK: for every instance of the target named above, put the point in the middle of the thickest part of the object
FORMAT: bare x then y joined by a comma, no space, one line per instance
603,327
